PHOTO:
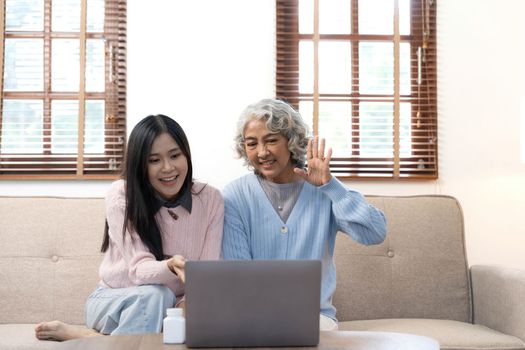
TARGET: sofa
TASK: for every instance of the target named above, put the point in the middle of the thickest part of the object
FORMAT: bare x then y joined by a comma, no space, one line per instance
48,264
417,281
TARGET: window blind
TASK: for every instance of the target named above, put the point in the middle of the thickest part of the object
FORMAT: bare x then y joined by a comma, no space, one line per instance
363,74
63,89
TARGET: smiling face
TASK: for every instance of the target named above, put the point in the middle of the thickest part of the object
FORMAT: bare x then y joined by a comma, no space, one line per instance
268,152
167,167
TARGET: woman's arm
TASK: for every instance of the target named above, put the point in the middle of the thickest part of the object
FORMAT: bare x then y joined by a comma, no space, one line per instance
142,266
354,215
235,241
211,249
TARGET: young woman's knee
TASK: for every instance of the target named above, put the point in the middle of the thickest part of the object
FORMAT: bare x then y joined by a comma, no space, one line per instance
158,294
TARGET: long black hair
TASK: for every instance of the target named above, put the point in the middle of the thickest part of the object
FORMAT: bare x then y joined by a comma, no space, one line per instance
141,201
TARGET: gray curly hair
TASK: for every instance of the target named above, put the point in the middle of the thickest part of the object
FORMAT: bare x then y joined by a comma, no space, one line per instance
280,118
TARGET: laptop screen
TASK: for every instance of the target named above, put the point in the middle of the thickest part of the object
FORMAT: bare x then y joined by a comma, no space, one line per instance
241,303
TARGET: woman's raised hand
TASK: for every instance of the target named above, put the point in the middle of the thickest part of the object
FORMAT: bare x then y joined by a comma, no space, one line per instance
176,265
318,170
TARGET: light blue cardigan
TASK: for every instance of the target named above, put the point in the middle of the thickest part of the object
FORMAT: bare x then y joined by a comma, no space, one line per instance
254,230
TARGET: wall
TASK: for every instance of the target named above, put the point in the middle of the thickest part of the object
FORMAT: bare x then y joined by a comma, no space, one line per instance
481,94
203,61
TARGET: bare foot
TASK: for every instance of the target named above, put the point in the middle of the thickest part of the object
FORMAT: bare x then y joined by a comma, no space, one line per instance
59,331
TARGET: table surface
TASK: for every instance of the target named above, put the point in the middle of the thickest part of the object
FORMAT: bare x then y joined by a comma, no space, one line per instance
334,340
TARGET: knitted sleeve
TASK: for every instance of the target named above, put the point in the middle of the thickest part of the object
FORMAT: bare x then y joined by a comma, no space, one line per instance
215,217
142,266
354,215
235,241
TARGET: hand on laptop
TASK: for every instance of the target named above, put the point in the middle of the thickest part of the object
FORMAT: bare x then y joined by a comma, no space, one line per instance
176,265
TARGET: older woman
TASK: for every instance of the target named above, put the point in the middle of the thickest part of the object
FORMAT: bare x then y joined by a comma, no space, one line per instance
286,211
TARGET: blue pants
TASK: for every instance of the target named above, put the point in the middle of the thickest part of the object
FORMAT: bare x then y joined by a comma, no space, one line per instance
132,310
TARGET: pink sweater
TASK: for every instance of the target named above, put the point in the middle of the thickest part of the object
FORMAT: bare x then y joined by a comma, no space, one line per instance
198,236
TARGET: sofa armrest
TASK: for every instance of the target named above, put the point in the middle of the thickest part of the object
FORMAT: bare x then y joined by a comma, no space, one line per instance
498,298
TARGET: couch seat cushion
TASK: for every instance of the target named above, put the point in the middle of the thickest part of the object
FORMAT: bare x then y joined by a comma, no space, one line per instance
451,335
22,337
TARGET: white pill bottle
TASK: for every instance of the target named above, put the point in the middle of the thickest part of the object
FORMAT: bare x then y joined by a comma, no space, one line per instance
174,327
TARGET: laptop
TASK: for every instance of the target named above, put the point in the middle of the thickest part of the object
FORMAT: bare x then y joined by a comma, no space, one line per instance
252,303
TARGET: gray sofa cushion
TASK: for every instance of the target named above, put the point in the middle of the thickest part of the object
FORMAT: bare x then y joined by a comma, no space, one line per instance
49,257
22,337
451,335
420,271
499,298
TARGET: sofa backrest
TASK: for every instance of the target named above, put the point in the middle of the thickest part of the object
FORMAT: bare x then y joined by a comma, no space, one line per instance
50,253
49,257
419,271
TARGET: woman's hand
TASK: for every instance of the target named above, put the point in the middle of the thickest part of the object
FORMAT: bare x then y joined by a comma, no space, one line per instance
176,265
318,171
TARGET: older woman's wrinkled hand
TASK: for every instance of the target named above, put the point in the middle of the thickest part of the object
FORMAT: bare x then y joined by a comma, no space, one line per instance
318,164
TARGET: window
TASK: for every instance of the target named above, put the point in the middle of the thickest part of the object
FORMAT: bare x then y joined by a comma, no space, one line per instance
363,72
63,92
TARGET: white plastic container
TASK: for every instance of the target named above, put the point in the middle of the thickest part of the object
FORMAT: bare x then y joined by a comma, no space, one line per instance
174,327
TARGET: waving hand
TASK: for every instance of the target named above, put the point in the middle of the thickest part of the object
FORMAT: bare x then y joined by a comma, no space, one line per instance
318,170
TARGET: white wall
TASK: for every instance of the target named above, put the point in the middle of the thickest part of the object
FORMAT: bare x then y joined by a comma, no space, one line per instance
481,89
203,61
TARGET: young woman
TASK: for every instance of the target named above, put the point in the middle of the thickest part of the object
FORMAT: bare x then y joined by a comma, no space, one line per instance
284,211
157,217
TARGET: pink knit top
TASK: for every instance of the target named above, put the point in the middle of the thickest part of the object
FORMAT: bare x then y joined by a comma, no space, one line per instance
196,236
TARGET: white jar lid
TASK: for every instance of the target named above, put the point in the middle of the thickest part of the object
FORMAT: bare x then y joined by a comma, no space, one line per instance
174,312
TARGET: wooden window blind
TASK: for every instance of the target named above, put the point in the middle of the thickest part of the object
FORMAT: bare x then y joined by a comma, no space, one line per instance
363,73
63,89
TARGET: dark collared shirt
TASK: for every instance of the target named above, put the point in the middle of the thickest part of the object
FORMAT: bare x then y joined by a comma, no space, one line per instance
184,200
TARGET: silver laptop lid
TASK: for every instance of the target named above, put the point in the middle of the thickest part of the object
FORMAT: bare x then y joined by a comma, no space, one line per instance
244,303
